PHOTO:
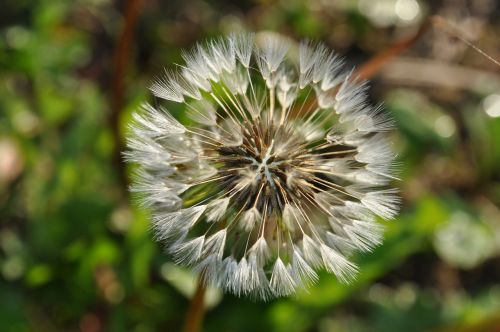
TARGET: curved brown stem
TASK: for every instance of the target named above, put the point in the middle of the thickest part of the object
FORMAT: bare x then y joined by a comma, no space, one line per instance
373,65
196,310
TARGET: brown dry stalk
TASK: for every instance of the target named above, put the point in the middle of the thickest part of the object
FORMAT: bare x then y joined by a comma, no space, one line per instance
373,65
119,69
196,310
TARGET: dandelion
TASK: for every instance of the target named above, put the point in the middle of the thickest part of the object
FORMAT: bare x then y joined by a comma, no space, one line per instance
278,169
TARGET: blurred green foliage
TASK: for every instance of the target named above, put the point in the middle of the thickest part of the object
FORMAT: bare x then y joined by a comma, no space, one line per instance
75,254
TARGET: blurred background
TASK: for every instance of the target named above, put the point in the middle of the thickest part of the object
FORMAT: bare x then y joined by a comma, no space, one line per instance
77,255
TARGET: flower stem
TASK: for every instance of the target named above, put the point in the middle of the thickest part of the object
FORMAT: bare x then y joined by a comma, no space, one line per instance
196,310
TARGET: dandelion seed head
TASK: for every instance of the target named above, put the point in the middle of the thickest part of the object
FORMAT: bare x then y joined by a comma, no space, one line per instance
279,171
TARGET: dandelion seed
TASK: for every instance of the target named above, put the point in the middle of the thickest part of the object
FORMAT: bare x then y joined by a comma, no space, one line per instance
279,172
